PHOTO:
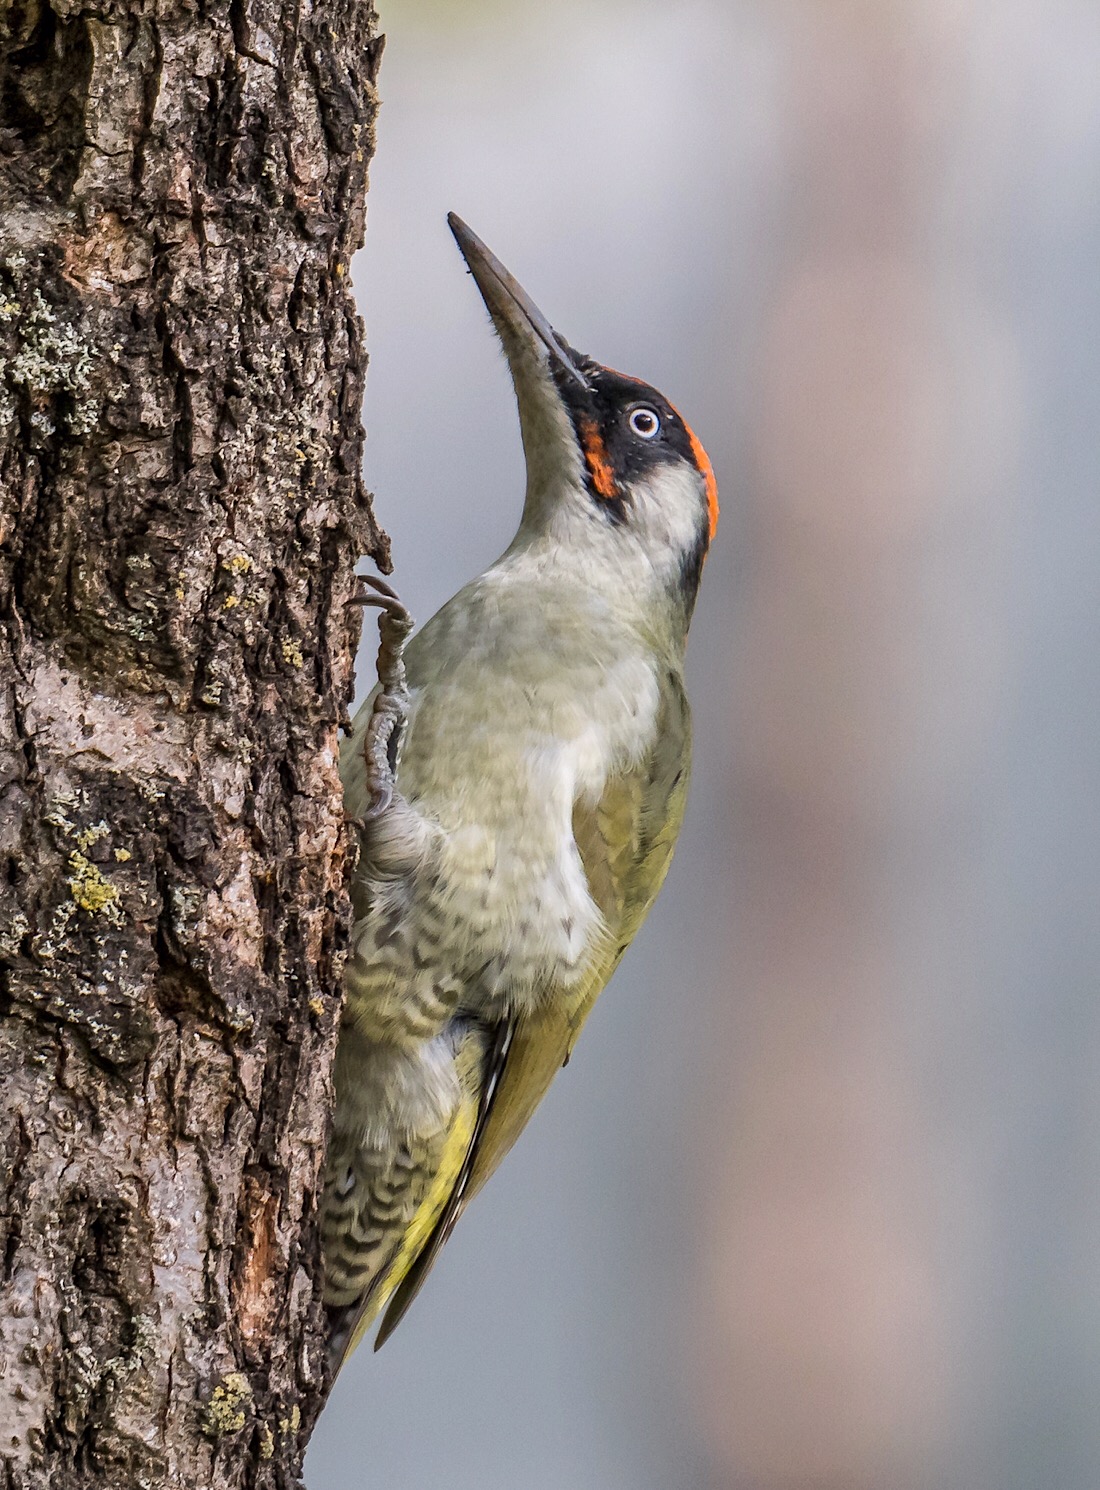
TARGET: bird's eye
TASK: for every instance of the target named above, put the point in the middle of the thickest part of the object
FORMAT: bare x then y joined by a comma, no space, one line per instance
644,422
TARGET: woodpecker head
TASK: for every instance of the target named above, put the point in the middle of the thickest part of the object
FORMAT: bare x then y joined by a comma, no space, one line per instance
614,473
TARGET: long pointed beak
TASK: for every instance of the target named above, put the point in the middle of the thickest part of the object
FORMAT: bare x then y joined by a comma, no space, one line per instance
520,323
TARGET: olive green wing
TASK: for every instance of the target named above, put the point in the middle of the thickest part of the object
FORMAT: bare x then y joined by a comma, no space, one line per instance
626,843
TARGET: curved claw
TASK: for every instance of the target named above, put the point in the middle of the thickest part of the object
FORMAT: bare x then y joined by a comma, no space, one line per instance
383,801
384,594
382,586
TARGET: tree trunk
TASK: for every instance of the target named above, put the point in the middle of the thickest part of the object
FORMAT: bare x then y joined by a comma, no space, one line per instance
181,509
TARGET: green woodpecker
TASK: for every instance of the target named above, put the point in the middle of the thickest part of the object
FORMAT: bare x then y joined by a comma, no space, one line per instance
519,779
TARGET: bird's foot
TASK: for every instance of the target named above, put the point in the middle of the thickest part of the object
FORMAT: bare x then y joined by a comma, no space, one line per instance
382,740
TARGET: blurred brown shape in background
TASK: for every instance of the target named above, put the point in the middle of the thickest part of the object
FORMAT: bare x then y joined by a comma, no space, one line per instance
827,1358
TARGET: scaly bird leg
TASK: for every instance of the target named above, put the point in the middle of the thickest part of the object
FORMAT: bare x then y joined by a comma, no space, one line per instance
382,740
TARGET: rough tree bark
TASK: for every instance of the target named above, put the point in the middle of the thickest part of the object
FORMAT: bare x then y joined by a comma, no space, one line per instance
181,185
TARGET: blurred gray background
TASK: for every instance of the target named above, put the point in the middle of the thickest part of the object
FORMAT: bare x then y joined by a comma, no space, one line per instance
817,1204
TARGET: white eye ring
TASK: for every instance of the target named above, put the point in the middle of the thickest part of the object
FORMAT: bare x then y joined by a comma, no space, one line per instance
645,424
